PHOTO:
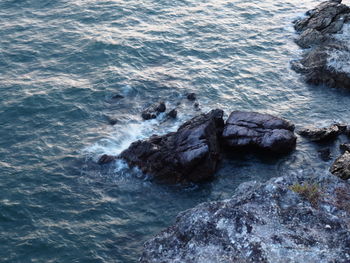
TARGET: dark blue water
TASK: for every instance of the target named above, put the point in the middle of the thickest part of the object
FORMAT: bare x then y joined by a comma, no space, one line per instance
61,62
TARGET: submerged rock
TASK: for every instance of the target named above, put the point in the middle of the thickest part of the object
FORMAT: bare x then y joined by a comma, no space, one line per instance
321,134
172,113
344,147
260,131
105,158
262,223
324,62
341,166
152,111
325,154
191,96
189,155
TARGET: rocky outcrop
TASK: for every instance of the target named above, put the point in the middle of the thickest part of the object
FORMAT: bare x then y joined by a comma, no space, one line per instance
263,223
252,130
191,154
153,111
321,134
341,166
326,57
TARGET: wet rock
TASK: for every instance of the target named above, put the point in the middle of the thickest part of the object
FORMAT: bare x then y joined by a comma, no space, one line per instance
191,154
172,113
152,111
117,96
196,106
320,134
344,147
259,131
261,223
309,38
191,96
341,166
111,120
104,159
325,154
325,63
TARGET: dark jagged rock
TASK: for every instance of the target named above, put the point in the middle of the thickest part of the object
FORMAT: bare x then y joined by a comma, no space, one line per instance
344,147
320,134
322,64
117,96
341,166
191,96
325,154
262,223
261,131
152,111
111,120
104,159
190,154
172,113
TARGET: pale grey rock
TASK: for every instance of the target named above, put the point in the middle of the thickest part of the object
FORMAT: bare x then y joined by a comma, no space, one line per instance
341,166
262,222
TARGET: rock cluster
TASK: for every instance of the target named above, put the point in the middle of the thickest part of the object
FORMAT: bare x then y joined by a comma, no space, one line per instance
153,111
325,54
262,223
192,153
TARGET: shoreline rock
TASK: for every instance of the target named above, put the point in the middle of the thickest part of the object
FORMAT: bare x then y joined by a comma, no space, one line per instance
262,223
252,130
153,111
321,134
341,166
324,53
191,154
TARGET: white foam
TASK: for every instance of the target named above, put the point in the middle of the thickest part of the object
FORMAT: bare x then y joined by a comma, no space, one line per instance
339,60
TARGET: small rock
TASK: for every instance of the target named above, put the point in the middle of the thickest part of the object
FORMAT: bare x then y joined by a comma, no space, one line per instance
341,166
196,105
191,96
344,147
104,159
325,154
153,111
112,121
117,96
172,113
320,134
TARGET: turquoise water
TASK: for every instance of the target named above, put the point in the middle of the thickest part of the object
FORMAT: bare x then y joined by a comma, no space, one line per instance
61,62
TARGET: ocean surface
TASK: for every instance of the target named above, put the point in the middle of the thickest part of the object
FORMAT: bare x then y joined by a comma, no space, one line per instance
61,64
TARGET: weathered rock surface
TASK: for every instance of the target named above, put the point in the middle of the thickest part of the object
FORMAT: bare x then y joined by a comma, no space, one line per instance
326,61
259,131
341,166
153,111
263,222
190,154
321,134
